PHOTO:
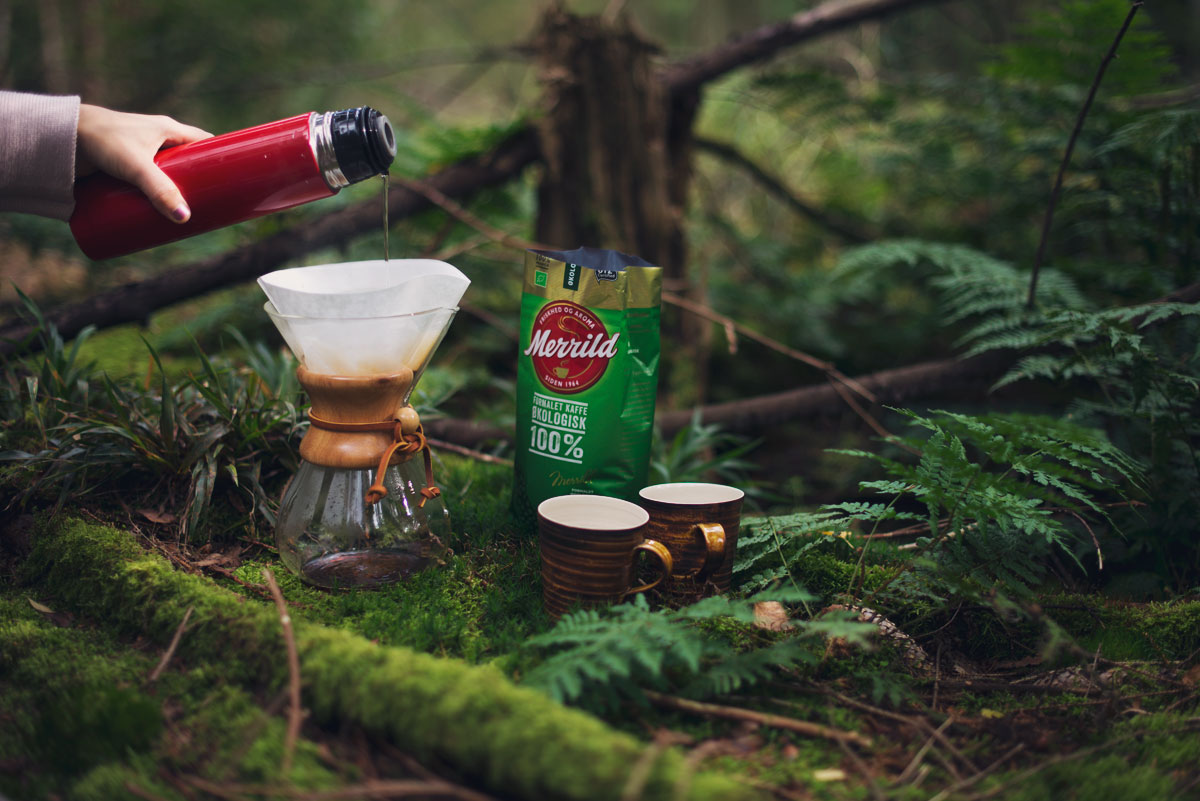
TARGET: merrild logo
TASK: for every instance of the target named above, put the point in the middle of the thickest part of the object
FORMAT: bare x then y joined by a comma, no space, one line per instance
569,347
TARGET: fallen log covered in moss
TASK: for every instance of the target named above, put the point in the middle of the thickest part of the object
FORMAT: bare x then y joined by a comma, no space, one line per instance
510,739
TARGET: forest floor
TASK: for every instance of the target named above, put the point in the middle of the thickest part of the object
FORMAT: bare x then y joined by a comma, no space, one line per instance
134,665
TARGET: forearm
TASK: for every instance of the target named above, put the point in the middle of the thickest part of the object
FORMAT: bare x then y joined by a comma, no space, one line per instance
37,153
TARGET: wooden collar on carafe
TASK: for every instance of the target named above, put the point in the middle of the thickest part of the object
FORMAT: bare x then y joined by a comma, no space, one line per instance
408,438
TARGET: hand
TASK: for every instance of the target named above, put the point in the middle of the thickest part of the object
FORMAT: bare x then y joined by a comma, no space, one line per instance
123,145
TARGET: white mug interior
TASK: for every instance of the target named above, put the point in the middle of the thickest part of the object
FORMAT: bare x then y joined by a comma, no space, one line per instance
593,512
691,493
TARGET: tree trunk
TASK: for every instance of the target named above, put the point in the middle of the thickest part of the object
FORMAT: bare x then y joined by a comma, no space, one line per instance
617,146
604,139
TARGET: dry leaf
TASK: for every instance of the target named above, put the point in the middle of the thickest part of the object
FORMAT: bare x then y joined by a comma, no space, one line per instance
829,775
771,615
230,558
154,516
60,619
45,610
1192,677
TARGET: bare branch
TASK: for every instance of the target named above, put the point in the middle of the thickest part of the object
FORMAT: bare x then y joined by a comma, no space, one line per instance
762,718
295,714
1066,159
764,42
166,657
845,229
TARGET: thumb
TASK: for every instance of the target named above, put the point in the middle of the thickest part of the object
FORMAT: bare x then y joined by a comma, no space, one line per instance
163,194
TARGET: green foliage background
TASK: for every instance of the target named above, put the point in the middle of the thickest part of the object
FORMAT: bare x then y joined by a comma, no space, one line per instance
933,136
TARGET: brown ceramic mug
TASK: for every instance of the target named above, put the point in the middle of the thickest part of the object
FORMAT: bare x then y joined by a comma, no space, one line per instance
589,546
699,524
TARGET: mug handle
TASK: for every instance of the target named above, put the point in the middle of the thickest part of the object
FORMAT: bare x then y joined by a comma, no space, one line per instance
664,556
712,536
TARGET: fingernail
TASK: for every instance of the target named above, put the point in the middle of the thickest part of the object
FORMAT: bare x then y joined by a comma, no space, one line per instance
181,213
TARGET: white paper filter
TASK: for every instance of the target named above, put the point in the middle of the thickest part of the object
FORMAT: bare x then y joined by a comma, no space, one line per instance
365,288
364,318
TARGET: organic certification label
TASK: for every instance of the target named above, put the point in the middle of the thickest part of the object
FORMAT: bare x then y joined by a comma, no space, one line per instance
558,428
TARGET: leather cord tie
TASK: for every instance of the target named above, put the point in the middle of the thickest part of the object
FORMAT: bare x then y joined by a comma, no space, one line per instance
405,444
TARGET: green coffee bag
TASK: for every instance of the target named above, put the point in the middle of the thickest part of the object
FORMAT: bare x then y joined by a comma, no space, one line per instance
587,375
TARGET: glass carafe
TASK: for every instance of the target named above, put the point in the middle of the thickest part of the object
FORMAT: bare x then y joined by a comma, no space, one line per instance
363,508
330,536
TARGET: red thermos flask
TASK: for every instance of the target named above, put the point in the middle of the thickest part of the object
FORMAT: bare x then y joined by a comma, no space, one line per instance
234,177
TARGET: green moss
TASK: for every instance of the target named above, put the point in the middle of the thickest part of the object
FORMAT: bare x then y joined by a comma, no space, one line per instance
104,574
1155,630
79,709
479,606
828,577
1098,778
121,350
113,780
473,718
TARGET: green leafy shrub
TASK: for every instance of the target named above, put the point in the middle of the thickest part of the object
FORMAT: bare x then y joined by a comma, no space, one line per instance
75,432
599,658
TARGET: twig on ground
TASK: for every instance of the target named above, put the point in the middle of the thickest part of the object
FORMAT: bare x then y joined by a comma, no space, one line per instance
692,763
868,418
863,770
612,11
366,761
166,657
295,714
910,770
1062,167
477,455
937,674
1060,758
392,788
252,731
140,793
640,772
260,544
413,766
1181,701
179,784
972,780
762,718
917,722
229,574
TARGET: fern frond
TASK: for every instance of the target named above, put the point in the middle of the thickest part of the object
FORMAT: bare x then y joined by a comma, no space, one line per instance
616,652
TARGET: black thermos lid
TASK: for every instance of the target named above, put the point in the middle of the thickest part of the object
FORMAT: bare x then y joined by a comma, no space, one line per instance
363,141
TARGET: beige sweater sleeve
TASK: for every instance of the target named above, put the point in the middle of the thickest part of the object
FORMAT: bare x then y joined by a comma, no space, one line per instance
37,153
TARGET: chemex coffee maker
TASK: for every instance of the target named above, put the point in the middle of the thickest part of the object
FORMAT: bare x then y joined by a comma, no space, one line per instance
364,508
